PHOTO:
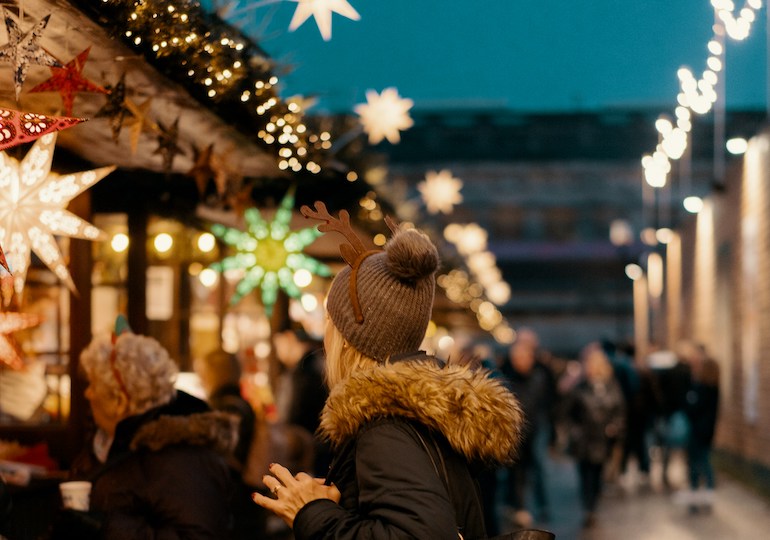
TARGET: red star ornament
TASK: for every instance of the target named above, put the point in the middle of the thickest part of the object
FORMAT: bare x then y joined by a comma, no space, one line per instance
69,80
3,262
18,127
12,321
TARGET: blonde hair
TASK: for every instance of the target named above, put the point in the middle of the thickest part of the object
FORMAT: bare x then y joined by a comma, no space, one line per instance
142,370
342,358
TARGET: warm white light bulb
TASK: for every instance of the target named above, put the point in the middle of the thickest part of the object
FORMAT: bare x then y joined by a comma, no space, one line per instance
693,204
206,242
634,271
208,277
737,145
302,278
119,243
163,242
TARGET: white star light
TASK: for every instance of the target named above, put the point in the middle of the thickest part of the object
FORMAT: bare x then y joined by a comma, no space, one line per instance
383,115
440,191
33,203
321,10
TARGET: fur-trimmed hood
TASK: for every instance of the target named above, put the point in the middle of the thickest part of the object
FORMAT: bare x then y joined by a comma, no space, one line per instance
217,430
477,414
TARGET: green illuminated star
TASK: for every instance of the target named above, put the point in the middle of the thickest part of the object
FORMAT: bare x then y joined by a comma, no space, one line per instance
270,254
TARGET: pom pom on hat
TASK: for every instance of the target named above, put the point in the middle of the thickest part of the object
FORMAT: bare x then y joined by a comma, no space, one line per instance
394,289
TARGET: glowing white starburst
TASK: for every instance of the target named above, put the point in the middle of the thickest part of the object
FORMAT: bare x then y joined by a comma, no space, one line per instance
440,191
322,10
384,115
33,203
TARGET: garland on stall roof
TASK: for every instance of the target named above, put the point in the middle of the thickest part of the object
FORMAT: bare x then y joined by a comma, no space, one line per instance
220,67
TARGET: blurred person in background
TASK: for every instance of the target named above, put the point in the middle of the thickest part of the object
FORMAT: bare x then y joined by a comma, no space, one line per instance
300,389
702,406
157,462
596,418
220,374
533,386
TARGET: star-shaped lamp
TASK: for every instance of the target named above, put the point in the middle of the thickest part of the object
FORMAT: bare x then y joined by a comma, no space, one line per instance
322,10
10,322
440,191
33,203
270,253
384,115
140,120
23,49
167,144
69,80
17,127
115,108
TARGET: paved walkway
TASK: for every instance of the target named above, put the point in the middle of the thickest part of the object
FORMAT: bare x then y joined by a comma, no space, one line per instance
630,511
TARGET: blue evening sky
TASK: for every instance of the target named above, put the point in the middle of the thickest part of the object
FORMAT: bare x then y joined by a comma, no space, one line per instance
543,55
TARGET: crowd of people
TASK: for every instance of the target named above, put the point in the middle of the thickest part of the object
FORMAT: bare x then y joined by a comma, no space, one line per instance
371,436
605,411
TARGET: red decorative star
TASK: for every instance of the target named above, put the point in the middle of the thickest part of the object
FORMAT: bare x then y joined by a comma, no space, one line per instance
69,80
3,262
12,321
17,127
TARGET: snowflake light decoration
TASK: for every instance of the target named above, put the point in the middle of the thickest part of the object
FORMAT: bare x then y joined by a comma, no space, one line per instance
384,115
270,253
322,10
33,203
440,191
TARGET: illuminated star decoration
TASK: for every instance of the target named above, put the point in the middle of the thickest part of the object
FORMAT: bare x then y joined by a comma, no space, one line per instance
322,10
270,254
139,120
17,127
11,321
440,191
69,80
23,49
384,115
167,144
115,108
33,203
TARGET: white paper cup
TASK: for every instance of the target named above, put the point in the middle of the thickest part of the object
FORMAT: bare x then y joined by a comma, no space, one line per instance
75,495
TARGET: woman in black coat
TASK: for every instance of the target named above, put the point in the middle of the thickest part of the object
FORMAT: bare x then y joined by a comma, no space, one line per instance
157,463
408,431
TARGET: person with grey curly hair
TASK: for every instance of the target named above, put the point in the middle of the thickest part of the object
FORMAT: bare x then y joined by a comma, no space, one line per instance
157,462
408,430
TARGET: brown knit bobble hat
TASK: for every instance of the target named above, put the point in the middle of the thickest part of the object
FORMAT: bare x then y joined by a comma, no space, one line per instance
394,289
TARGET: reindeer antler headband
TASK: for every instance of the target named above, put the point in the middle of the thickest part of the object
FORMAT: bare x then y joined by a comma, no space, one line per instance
353,253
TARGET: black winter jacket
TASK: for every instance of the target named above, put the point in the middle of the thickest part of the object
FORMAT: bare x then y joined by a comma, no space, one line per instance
396,428
166,476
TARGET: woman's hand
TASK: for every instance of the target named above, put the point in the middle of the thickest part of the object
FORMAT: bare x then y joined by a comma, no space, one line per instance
292,492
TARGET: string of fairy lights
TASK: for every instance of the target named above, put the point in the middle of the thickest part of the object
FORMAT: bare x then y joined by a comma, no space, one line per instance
697,96
222,68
